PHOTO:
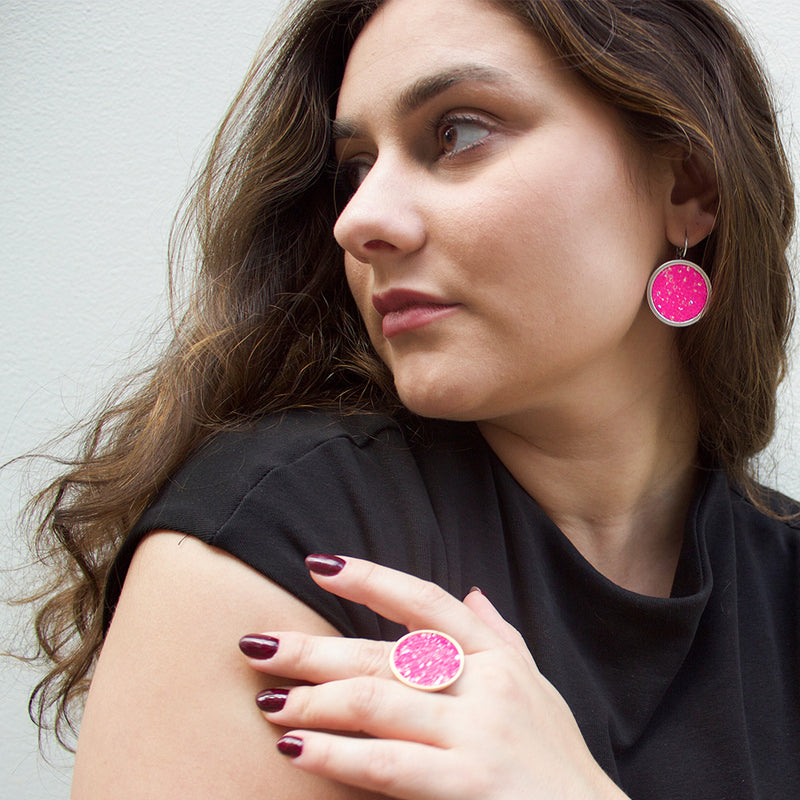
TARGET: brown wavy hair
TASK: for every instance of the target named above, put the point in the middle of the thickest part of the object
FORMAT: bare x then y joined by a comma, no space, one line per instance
269,323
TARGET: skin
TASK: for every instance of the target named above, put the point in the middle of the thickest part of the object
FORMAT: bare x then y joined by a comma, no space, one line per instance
171,710
520,202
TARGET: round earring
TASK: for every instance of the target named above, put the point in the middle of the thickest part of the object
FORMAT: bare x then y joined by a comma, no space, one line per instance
678,291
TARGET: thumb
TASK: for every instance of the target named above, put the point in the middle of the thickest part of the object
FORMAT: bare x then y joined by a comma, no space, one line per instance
480,605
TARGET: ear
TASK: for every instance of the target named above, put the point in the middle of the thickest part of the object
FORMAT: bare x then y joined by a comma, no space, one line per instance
692,201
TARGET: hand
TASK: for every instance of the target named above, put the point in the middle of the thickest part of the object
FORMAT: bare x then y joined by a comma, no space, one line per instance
501,731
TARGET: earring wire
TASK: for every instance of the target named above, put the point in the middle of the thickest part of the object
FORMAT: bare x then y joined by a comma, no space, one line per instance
682,253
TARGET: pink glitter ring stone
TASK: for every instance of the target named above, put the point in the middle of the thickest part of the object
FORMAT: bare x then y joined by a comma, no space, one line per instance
427,660
678,293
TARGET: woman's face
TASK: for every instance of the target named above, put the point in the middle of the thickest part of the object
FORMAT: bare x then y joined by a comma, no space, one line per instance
503,225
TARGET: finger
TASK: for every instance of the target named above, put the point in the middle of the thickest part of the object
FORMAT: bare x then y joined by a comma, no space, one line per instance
477,602
408,600
377,707
404,770
300,656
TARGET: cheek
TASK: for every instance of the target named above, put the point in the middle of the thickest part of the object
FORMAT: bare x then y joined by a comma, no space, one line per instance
357,281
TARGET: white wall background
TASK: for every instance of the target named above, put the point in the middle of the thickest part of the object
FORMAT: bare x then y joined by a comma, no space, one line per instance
104,107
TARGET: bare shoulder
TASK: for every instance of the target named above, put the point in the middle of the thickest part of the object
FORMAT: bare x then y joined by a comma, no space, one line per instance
171,708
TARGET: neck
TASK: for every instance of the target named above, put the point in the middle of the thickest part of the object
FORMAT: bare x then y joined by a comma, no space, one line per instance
615,472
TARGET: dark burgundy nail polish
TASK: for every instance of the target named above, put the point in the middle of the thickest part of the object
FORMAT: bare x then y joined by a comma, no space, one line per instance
256,645
324,565
478,589
272,699
290,746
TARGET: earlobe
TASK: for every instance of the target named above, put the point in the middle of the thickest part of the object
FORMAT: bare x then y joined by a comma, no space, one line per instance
693,199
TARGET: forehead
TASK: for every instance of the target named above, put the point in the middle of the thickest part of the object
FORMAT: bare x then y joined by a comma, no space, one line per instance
406,39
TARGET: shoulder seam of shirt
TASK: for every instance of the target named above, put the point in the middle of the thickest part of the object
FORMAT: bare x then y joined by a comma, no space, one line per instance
793,522
360,440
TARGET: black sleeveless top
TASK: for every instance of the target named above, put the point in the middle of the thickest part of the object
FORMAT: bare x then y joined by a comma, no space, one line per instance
692,696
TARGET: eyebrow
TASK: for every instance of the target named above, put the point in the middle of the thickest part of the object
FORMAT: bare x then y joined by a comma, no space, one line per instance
423,90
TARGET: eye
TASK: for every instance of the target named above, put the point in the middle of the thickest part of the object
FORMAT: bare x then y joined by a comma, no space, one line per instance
457,134
349,175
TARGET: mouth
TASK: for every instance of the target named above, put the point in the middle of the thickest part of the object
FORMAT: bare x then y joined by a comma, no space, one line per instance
405,310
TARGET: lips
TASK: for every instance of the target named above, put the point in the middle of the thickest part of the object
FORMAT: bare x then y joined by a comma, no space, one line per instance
404,310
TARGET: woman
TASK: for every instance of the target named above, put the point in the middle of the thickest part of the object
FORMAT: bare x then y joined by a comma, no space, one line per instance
502,388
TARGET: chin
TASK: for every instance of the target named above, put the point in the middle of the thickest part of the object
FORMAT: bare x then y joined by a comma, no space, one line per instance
439,400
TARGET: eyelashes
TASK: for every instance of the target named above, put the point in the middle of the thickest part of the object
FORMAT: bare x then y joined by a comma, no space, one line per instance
454,134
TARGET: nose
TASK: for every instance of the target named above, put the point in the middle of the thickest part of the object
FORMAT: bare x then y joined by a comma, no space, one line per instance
383,216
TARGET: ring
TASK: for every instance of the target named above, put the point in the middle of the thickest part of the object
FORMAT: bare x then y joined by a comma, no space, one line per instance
427,660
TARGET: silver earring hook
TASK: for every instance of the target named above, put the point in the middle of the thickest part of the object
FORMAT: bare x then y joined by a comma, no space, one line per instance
682,253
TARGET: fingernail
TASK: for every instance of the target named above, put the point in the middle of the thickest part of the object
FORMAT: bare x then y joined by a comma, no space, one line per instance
256,645
478,589
324,565
272,699
290,746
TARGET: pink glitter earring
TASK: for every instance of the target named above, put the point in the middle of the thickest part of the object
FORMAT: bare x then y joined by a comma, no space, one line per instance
678,291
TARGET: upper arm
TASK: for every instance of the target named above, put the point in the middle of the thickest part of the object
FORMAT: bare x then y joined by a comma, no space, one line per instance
171,708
